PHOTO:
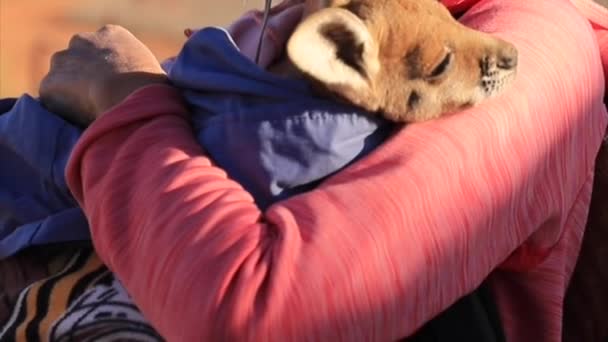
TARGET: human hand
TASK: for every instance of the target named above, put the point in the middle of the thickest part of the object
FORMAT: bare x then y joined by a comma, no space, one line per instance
96,72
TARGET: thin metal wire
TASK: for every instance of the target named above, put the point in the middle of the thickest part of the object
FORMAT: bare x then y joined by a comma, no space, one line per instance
267,5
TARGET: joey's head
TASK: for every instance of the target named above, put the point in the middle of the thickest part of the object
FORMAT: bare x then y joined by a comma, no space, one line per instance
409,60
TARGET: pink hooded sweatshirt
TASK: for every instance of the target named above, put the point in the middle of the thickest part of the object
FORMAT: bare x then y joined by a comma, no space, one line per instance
497,192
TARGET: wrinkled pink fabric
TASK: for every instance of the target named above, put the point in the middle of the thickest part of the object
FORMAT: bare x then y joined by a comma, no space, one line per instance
499,191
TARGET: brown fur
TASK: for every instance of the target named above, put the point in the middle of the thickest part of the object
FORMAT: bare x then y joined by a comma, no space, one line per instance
409,60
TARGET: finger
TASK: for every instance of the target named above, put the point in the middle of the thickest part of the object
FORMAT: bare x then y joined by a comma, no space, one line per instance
82,40
111,28
58,58
113,31
52,83
59,99
67,110
68,62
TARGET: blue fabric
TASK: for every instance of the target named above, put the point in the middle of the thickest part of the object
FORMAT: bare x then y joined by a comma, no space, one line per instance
35,204
273,135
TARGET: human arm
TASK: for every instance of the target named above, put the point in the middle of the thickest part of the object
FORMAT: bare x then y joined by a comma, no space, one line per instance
374,252
221,269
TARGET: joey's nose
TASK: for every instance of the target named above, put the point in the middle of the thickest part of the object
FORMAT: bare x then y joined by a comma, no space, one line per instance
507,58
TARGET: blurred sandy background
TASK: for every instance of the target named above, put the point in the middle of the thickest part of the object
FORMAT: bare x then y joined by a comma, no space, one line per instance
32,30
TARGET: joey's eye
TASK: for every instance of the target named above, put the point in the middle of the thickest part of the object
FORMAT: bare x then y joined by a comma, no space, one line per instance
442,67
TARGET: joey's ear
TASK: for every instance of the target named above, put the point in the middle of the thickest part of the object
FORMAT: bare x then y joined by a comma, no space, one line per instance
334,47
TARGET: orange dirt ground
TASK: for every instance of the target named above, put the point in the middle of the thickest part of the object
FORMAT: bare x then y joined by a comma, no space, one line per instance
32,30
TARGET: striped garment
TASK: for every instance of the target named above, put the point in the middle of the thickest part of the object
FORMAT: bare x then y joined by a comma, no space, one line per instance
27,267
81,302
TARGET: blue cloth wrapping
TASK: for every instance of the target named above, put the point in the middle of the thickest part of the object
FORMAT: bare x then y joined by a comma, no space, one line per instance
271,134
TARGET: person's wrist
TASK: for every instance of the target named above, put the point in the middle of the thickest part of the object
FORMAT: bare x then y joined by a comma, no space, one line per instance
113,90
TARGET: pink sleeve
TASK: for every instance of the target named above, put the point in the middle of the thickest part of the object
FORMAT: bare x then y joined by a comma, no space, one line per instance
378,249
598,17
